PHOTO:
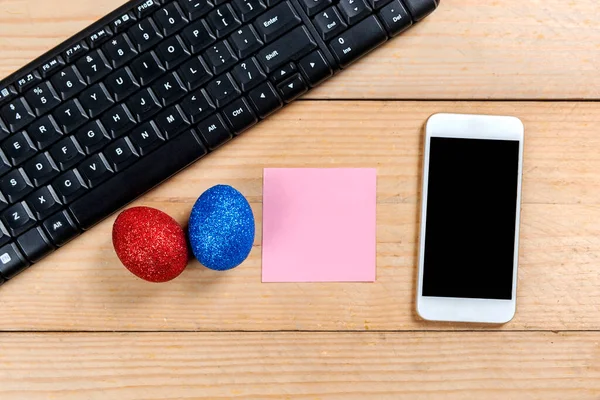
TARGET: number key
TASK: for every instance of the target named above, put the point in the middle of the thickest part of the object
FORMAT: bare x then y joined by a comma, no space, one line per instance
170,19
119,50
93,66
68,82
42,98
329,23
354,10
17,114
145,35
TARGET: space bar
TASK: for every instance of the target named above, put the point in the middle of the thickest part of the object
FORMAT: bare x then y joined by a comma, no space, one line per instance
142,176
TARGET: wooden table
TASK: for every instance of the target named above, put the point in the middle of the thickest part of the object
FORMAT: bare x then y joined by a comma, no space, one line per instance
79,326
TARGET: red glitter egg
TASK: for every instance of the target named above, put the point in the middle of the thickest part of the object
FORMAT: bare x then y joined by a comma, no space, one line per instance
150,244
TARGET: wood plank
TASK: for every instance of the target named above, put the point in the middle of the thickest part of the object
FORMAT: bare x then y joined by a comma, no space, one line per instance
84,287
468,49
438,365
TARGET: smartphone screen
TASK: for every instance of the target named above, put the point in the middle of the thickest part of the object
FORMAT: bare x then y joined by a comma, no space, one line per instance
471,212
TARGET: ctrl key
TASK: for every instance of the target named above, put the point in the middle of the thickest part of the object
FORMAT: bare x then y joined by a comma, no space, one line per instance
60,228
12,261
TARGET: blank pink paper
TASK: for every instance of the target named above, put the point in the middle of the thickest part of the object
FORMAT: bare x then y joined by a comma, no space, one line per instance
319,225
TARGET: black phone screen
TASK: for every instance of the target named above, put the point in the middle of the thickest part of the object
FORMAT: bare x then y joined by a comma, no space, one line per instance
471,213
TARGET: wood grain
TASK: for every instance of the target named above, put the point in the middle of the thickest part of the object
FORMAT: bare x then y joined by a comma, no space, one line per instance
84,287
469,49
323,366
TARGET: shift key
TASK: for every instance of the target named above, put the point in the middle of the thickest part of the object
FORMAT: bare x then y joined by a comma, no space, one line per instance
358,41
290,47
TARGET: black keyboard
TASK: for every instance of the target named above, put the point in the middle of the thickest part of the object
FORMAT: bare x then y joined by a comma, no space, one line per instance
151,88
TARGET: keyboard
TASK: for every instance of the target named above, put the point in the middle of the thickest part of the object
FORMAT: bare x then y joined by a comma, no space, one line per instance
152,87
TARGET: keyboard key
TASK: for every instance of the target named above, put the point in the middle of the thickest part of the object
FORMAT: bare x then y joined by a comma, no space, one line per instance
143,105
292,46
283,72
95,170
329,23
223,90
35,244
61,228
147,7
171,122
312,7
121,83
17,114
315,68
70,116
265,100
220,57
147,68
40,169
354,10
93,67
223,20
12,261
68,82
197,106
239,115
92,137
195,8
15,185
18,148
358,41
95,100
195,73
51,66
144,35
75,51
43,202
69,186
18,218
248,9
28,80
140,177
172,52
42,98
214,132
119,50
248,74
395,18
122,22
44,132
292,88
5,166
118,120
120,154
198,36
100,36
377,4
277,21
66,153
145,138
245,41
170,19
169,88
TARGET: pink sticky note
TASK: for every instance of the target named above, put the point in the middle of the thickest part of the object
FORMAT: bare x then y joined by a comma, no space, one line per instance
319,225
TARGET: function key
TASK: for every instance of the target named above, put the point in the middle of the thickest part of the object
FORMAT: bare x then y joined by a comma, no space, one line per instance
12,261
75,51
119,50
265,100
49,67
354,10
248,9
314,6
144,35
122,22
100,36
170,19
42,98
239,115
147,7
6,93
277,21
329,23
358,41
315,68
395,18
195,8
292,88
16,114
28,80
223,20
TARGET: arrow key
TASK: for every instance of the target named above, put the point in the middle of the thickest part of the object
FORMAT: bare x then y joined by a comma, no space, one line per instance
354,10
265,100
315,68
283,72
292,88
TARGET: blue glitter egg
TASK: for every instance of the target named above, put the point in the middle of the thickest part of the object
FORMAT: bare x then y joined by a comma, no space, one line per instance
221,228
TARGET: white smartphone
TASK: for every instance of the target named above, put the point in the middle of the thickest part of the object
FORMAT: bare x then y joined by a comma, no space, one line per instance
469,238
